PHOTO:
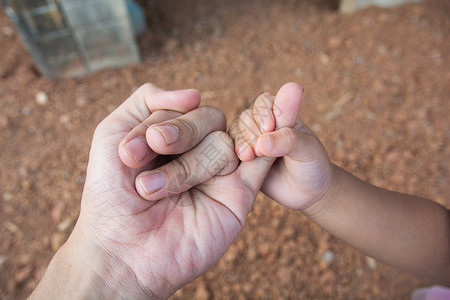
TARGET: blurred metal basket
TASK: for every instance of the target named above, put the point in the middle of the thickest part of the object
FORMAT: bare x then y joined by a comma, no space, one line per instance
71,38
350,6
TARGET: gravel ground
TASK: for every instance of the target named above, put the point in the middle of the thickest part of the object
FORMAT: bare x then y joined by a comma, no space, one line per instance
377,86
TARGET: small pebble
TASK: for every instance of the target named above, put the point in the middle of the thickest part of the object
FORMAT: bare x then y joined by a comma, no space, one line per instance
316,127
371,263
171,44
368,21
328,256
65,225
81,101
199,46
382,50
324,59
201,293
218,32
251,254
23,274
41,98
175,32
7,197
7,30
110,108
2,260
79,179
298,72
23,173
358,60
26,184
436,55
285,275
25,259
4,122
57,240
64,119
26,111
264,249
11,226
334,42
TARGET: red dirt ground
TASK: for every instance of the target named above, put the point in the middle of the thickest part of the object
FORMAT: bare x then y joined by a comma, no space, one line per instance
377,94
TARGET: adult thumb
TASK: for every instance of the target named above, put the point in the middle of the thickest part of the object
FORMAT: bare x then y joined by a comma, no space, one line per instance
253,173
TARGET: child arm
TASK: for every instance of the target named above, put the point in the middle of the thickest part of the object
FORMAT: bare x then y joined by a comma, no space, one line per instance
408,232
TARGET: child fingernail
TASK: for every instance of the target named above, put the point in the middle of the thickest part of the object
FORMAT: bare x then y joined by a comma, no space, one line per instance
137,148
152,182
266,143
263,127
242,147
256,148
170,133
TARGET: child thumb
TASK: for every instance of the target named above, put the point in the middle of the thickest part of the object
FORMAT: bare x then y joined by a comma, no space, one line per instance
286,141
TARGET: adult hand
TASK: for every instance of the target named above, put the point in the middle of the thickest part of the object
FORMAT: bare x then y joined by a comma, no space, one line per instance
302,173
187,213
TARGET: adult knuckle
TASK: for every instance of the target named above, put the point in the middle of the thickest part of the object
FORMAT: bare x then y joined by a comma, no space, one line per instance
101,128
214,111
225,141
226,138
289,135
162,115
222,137
182,169
146,87
191,128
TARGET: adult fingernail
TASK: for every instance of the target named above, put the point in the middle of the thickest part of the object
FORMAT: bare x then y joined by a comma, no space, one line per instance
152,182
266,143
170,133
137,148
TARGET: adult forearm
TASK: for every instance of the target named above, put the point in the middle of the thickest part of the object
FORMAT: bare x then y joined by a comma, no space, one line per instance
405,231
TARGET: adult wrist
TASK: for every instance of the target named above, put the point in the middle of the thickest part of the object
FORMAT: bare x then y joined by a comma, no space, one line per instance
85,271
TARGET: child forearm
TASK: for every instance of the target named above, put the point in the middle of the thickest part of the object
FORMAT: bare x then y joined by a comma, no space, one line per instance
405,231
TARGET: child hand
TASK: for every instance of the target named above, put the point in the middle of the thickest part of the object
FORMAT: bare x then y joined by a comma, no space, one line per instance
302,174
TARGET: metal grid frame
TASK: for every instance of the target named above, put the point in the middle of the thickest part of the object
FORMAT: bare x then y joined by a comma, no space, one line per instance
71,38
